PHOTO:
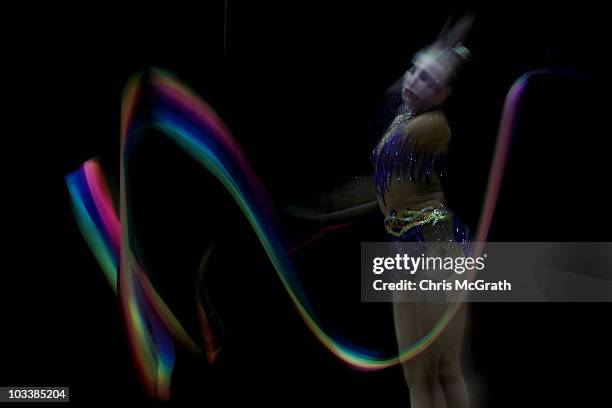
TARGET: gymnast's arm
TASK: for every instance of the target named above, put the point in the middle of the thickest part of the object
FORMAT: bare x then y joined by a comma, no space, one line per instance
357,196
351,200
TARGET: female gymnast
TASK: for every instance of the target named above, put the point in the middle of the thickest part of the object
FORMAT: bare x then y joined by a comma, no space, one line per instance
408,162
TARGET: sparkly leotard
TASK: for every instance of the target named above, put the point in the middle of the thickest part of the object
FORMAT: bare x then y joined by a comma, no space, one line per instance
401,155
414,153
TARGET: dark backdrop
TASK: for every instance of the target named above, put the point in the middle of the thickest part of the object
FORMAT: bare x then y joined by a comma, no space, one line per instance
297,83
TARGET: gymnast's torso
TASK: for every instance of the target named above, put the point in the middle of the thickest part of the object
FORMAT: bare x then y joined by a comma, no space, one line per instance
408,162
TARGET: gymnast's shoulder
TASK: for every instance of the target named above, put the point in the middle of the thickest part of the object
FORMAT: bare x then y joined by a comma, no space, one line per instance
430,129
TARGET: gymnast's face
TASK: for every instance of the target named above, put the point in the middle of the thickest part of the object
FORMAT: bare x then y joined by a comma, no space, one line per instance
425,84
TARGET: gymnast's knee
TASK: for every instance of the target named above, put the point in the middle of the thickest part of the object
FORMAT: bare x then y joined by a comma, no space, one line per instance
421,375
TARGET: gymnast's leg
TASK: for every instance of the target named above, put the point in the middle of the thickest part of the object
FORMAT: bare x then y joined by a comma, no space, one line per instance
422,373
451,371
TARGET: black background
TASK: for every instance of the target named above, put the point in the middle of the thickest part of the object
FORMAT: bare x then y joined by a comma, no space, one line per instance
297,83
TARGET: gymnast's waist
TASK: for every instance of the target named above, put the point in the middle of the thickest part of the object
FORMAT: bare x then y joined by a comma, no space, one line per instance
399,222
